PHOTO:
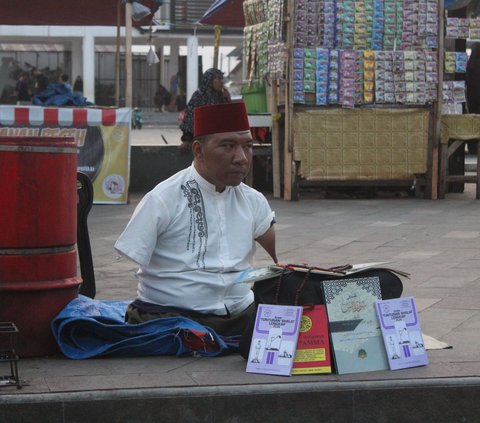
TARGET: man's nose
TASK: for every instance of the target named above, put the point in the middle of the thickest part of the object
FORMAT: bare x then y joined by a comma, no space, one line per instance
241,155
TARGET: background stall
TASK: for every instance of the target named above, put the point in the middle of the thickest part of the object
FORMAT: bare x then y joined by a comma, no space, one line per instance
357,86
461,88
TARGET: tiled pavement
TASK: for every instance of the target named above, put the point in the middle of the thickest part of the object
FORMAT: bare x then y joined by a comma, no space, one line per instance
438,242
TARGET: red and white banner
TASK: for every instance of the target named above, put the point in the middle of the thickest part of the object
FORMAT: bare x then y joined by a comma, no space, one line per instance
102,137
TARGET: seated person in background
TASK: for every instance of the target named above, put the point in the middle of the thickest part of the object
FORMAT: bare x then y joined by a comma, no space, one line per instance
39,80
194,233
22,89
63,80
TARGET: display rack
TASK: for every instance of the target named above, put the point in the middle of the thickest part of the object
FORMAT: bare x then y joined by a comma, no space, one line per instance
343,123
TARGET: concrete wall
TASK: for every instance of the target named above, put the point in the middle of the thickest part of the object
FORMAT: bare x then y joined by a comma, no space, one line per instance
150,165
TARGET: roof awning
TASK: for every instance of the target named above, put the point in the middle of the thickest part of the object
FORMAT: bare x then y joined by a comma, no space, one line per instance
456,4
224,13
68,12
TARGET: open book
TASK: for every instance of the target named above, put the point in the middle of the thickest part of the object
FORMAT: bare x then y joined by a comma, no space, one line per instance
345,270
261,273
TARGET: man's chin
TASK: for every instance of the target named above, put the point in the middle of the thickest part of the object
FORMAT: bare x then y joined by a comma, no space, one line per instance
234,181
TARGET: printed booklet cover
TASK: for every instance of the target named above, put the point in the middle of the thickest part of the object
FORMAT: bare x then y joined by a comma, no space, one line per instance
313,346
274,339
258,274
357,343
401,333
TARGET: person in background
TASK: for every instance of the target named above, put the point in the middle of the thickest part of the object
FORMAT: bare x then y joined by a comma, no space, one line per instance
78,85
63,79
193,234
472,83
22,89
39,80
181,102
162,98
211,91
174,86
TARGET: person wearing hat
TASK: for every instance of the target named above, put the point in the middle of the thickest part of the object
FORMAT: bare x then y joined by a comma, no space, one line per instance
194,233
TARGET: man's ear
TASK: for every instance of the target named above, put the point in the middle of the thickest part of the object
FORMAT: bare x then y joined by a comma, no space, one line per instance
197,150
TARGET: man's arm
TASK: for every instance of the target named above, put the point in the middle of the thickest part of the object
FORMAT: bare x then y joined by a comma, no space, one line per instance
267,241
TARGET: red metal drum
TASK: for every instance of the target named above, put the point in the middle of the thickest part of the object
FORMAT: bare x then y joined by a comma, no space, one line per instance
38,192
38,231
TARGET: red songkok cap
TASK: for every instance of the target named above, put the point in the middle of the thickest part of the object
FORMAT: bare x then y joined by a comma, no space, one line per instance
217,118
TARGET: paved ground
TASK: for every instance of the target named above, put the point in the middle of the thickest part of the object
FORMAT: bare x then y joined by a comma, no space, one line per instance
158,129
438,242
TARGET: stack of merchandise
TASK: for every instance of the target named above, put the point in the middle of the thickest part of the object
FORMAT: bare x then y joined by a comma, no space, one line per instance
347,82
334,77
384,79
322,72
298,75
306,24
455,62
457,28
255,50
368,76
277,52
277,60
474,28
454,92
420,24
393,23
264,47
254,11
379,51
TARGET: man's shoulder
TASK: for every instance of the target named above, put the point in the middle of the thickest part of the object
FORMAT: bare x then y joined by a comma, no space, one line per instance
174,182
251,193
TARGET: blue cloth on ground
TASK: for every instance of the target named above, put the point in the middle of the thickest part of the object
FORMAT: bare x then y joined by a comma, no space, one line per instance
88,328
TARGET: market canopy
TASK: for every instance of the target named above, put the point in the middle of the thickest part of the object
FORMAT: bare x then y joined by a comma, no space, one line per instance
456,4
67,12
224,13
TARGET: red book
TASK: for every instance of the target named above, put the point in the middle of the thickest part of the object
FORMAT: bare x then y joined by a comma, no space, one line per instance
313,348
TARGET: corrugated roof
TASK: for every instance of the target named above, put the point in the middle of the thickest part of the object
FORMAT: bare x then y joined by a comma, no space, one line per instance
65,12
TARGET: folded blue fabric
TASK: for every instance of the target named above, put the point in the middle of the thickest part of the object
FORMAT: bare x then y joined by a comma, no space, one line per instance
59,95
88,328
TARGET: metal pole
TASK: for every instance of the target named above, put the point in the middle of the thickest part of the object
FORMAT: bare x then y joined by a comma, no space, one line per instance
192,65
117,55
128,54
437,111
216,45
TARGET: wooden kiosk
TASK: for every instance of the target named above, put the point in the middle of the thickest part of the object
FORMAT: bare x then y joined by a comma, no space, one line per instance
337,122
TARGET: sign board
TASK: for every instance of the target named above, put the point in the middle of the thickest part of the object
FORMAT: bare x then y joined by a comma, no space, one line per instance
102,137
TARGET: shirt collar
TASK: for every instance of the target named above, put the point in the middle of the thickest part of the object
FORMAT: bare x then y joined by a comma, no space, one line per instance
205,185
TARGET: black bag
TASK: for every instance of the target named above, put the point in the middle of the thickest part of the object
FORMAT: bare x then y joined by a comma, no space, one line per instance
293,287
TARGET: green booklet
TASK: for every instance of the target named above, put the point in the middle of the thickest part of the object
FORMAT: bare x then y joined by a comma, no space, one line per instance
258,274
357,342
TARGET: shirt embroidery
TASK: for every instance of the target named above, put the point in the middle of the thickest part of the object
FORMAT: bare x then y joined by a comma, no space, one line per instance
198,232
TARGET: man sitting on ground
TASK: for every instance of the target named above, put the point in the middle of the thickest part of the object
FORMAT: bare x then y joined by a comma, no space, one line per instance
194,233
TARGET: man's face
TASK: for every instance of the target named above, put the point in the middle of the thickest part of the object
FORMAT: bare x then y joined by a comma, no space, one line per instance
224,159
